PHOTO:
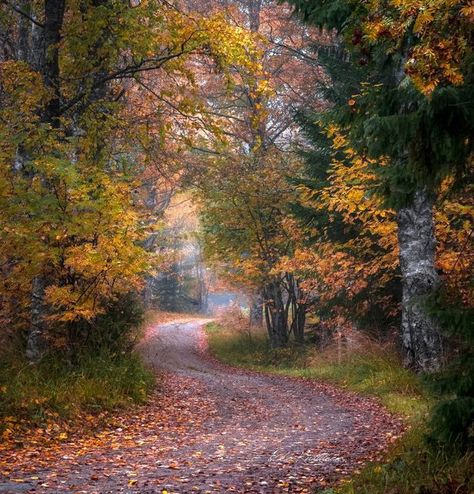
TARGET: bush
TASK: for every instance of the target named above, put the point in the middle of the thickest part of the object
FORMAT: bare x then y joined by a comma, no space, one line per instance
95,370
236,319
118,330
55,388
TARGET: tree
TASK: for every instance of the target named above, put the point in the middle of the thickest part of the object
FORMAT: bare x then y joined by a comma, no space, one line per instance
72,179
242,216
405,113
263,133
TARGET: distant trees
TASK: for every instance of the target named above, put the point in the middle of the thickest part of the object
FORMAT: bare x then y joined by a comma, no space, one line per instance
245,189
243,229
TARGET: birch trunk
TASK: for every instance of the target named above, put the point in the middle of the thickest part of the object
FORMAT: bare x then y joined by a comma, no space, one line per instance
422,346
36,343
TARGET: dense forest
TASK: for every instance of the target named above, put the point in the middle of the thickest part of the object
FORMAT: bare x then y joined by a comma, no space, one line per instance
315,156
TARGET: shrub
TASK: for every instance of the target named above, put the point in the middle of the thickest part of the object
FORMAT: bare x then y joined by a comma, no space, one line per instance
118,330
94,369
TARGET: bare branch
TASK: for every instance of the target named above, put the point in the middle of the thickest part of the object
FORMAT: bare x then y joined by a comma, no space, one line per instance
22,13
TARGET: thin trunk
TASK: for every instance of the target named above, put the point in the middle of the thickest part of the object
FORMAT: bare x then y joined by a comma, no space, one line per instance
48,62
299,322
268,321
339,346
422,346
36,343
24,32
276,316
254,9
256,310
298,309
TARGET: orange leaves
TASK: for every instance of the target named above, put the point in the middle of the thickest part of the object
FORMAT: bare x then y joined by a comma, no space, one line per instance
455,256
442,29
366,252
369,258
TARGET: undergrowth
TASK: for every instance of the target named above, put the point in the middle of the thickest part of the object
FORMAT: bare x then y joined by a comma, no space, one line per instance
55,389
411,466
94,371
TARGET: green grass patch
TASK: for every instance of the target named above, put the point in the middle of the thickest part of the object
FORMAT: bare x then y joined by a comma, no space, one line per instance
367,371
57,389
411,466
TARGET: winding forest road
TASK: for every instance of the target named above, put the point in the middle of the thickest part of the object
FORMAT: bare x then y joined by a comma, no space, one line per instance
214,428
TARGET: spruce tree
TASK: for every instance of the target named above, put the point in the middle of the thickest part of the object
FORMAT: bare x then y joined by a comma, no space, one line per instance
425,138
343,80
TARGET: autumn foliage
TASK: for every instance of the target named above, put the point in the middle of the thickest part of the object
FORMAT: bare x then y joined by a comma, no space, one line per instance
75,185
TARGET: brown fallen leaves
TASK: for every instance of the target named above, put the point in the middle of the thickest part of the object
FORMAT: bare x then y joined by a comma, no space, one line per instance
211,429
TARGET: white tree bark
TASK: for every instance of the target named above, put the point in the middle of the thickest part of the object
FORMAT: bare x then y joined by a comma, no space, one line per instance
421,339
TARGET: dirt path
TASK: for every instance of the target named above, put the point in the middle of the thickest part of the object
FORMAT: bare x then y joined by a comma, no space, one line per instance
216,429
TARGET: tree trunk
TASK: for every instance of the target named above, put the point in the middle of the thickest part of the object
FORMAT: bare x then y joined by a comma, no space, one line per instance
422,346
276,316
299,322
48,61
256,310
24,32
45,58
298,309
36,344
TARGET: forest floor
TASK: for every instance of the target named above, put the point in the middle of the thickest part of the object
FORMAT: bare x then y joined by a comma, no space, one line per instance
211,428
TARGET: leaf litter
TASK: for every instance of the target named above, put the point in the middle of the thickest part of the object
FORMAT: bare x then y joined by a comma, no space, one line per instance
209,428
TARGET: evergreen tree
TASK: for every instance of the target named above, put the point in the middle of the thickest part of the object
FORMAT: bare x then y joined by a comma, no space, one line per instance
318,153
419,116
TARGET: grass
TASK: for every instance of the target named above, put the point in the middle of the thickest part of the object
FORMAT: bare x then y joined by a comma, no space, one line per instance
411,466
55,390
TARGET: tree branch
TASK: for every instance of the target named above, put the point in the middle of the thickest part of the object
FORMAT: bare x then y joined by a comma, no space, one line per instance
21,12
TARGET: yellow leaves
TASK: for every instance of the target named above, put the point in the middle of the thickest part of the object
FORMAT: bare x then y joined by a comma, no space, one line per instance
468,11
245,227
332,130
22,85
80,223
229,43
338,142
373,30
